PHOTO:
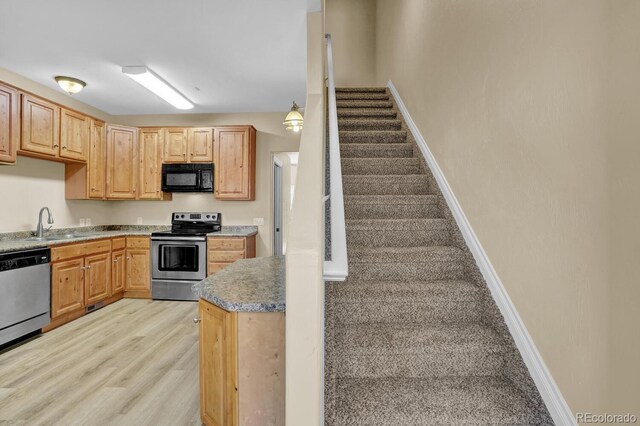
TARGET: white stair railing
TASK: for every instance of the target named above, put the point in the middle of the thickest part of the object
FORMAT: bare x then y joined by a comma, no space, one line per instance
337,268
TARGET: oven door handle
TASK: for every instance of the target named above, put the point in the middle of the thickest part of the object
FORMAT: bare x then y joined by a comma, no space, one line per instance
193,239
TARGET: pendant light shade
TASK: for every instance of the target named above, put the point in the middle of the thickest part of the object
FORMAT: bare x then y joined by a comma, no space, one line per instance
294,120
69,84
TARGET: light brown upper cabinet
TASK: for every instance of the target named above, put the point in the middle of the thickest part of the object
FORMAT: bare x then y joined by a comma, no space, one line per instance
200,145
151,147
9,124
175,145
74,135
234,157
97,161
188,145
122,162
40,127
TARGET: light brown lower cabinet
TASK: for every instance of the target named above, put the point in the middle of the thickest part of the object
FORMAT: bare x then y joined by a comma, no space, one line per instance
242,367
223,251
138,275
84,274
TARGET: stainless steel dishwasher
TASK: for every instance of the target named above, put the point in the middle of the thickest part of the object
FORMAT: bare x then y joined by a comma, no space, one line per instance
25,292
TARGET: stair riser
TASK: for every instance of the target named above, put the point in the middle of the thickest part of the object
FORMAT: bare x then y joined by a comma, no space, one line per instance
353,210
432,235
419,365
410,187
369,125
373,137
401,310
352,166
367,113
450,269
363,104
361,89
342,96
376,151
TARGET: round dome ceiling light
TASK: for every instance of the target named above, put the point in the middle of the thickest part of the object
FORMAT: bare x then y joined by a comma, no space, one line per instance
69,84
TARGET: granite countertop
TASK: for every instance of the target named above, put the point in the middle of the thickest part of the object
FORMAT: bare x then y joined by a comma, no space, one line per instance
13,241
247,285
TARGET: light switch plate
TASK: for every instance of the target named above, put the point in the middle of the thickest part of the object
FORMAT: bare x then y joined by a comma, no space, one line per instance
88,221
82,222
139,220
258,221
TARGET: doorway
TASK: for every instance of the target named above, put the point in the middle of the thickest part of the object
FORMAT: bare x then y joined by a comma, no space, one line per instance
283,171
278,249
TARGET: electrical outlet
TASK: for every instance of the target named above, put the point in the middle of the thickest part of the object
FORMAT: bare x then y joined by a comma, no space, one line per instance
139,220
87,221
82,222
258,221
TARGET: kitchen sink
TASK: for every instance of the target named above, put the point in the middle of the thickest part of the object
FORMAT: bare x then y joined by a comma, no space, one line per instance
54,237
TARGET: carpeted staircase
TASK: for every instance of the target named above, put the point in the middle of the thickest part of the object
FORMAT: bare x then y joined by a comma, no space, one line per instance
413,336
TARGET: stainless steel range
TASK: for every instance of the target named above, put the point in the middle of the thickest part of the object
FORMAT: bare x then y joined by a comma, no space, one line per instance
179,257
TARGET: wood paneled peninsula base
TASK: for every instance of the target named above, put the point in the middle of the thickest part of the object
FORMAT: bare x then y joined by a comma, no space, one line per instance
242,343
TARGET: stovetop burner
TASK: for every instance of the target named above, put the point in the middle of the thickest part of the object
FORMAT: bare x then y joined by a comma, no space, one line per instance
192,224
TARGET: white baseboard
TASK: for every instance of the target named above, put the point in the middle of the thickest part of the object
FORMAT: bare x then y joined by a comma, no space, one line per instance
557,406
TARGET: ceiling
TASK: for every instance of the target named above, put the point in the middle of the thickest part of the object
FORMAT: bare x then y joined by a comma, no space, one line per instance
223,55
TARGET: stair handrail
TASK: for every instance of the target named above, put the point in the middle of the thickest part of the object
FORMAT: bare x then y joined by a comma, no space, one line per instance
337,268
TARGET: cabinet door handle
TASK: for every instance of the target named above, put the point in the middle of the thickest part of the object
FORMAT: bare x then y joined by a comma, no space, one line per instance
115,260
56,146
196,320
64,147
128,258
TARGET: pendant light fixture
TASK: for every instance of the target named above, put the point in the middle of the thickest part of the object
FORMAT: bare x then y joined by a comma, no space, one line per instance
69,84
294,120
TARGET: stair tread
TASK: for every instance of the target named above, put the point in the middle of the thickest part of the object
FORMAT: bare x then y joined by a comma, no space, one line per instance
354,290
393,224
415,338
429,401
392,199
361,254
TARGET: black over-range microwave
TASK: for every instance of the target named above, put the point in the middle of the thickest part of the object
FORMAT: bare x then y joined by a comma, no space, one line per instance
187,177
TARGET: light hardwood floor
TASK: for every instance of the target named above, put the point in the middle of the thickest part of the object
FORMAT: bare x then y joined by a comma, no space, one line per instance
134,362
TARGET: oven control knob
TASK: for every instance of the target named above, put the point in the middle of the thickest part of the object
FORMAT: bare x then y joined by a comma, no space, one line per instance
208,216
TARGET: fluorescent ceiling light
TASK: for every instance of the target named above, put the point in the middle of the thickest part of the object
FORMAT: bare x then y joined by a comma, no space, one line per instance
151,81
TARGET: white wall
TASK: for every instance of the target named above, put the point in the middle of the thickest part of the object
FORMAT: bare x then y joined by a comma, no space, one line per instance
512,98
32,184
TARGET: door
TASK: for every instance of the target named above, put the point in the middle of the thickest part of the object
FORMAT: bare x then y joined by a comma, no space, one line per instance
138,277
234,159
277,208
175,145
67,287
150,164
218,366
97,156
201,145
118,271
74,135
122,164
178,259
40,126
9,124
97,279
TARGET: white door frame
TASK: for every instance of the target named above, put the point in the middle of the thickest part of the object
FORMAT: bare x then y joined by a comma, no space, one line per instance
277,228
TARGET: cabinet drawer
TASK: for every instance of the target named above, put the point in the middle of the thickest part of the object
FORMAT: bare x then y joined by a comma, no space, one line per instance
225,244
214,267
67,252
118,243
225,256
138,242
97,247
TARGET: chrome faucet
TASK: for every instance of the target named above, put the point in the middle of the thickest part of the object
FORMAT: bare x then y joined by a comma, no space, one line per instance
40,230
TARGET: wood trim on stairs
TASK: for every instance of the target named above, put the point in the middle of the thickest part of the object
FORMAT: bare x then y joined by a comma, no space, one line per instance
549,391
